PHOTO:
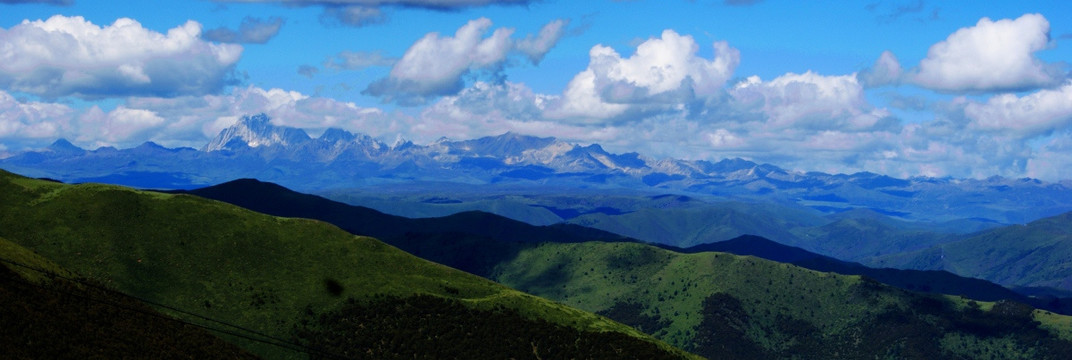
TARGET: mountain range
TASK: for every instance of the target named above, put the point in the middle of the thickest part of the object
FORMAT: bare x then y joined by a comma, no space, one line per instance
308,284
337,159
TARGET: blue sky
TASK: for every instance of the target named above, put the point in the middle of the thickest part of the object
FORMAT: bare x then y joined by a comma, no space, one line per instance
906,88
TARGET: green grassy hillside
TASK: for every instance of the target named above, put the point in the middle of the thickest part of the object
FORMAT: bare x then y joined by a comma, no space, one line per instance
1038,254
39,301
727,306
684,227
288,278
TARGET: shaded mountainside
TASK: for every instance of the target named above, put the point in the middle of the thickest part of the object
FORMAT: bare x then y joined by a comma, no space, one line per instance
1037,255
476,242
288,278
741,307
728,306
470,241
273,199
928,281
36,305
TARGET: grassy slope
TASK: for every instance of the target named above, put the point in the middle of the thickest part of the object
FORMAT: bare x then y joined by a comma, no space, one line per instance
35,307
1038,254
684,227
671,290
232,264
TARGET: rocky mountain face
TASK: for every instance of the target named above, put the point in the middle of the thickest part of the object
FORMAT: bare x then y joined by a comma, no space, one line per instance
254,147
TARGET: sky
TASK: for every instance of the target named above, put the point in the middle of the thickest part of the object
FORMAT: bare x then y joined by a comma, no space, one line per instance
904,88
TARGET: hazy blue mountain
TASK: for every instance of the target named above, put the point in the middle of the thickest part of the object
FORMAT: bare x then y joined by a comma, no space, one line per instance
337,159
1036,256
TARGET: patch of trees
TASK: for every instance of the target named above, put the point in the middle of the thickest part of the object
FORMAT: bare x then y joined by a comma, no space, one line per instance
911,331
632,313
426,327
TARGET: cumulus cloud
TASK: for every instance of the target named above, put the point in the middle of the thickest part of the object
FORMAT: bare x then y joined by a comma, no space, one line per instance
435,65
69,56
886,70
992,56
120,126
1028,116
182,121
31,120
664,70
810,101
536,46
251,31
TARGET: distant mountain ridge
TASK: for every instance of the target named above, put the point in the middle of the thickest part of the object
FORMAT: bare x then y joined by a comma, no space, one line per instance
255,148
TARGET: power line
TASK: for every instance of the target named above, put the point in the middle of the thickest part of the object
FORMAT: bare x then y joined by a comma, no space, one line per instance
271,340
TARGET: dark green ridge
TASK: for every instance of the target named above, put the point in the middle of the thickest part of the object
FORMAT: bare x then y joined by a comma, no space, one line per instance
728,306
48,314
929,281
476,242
288,278
1034,255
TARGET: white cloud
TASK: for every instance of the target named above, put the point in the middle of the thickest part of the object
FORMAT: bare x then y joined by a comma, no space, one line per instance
435,65
991,56
182,121
1032,115
664,70
252,31
808,101
69,56
1053,160
886,70
538,46
120,126
31,120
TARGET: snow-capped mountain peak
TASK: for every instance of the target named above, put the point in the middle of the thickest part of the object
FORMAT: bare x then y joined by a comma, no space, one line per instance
256,131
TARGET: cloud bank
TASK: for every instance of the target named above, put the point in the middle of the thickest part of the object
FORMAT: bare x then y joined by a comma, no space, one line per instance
436,65
69,56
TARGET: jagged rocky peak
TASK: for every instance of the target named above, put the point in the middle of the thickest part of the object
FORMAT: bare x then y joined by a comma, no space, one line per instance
335,135
63,146
256,131
508,144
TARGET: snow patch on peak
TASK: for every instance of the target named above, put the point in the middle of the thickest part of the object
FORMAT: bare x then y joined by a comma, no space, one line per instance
256,131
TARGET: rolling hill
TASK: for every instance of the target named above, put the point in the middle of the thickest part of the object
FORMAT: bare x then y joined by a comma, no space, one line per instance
40,300
1035,255
302,281
710,302
476,242
729,306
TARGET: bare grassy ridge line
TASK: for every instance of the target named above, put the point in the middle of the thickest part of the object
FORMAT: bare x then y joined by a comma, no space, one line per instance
673,287
236,265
